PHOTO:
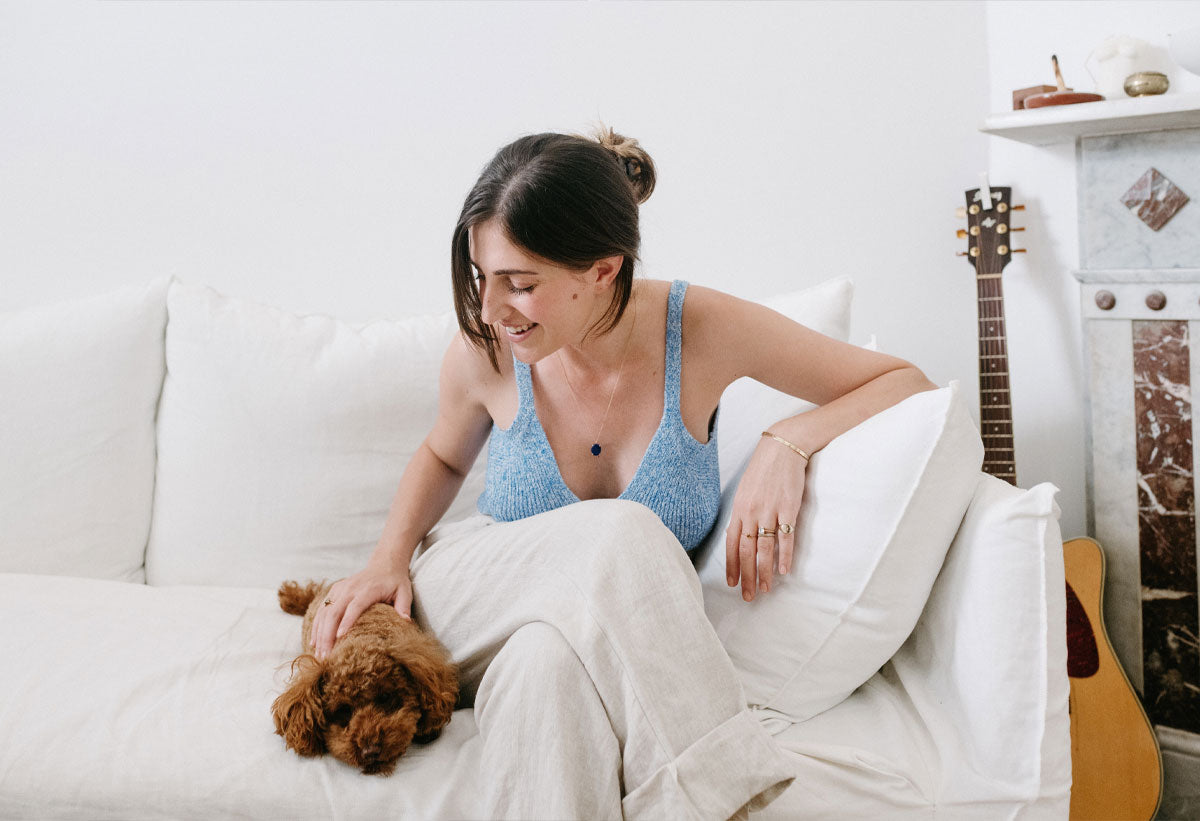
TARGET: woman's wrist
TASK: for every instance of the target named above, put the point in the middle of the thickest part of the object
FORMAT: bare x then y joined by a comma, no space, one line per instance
392,557
795,449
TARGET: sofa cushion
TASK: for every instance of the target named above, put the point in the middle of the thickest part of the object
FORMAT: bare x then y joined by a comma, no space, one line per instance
986,664
969,718
282,438
79,383
132,701
881,505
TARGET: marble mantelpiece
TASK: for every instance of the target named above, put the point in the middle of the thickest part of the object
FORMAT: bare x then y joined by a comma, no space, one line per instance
1111,236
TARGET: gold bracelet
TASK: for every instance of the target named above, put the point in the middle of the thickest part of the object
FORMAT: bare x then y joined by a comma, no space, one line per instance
781,440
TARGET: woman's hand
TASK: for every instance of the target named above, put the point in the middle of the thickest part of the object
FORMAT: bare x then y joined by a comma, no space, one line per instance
768,497
351,596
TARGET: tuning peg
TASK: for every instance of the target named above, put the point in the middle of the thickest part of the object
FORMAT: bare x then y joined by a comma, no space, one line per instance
1018,208
961,233
960,212
1016,229
960,253
1019,250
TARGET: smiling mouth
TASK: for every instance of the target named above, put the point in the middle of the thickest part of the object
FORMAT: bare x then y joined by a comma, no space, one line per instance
518,331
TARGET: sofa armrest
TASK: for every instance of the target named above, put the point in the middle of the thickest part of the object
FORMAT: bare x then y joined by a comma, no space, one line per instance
986,664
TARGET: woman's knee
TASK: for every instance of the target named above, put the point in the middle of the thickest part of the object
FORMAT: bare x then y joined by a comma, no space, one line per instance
536,668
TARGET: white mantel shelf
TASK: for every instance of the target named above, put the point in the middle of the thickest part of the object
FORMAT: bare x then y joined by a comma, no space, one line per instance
1063,123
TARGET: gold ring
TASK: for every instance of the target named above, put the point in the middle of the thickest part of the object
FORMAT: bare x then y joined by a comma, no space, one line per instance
762,531
785,528
327,601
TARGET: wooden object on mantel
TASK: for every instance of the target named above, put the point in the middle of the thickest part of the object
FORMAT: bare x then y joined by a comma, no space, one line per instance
1116,766
1056,124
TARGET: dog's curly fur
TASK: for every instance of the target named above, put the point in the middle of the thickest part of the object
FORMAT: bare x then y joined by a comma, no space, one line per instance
384,684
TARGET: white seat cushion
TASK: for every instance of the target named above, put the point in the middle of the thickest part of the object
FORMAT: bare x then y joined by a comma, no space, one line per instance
79,384
282,438
881,505
156,703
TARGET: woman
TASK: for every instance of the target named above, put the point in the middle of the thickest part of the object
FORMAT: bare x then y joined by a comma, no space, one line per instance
590,385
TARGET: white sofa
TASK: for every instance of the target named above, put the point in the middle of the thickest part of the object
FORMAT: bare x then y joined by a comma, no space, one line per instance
169,455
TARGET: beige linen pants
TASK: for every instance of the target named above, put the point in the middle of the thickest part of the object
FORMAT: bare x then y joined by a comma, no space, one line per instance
600,689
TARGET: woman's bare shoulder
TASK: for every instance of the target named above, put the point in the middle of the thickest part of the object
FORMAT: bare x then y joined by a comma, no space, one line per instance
468,371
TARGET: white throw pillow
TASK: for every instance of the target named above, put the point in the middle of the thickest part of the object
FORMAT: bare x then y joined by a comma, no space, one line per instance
996,696
747,406
282,438
881,505
79,383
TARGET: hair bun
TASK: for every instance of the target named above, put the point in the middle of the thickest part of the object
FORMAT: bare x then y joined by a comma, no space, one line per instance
639,168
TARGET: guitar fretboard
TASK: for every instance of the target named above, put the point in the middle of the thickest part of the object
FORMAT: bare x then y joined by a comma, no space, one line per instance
995,405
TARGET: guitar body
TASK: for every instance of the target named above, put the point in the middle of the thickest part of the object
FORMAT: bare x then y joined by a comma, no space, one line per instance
1115,760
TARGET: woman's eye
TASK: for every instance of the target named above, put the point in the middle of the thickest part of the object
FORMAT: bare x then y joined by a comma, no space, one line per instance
514,290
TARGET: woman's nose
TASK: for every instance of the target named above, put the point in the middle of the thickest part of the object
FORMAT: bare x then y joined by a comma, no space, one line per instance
491,302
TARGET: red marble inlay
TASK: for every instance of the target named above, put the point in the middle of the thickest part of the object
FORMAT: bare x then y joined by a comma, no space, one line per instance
1154,198
1167,523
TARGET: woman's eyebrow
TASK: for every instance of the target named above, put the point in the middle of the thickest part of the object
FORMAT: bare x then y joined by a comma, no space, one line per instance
508,272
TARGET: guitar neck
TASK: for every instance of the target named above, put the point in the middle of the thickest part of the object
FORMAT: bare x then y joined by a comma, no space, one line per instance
995,404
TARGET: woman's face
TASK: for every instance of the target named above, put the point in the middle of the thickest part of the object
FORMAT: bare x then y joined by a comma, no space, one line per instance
537,306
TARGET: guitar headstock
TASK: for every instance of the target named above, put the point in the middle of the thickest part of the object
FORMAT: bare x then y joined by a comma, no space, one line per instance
988,232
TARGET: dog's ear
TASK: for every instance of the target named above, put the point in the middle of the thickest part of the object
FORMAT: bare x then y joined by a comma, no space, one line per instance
437,685
299,714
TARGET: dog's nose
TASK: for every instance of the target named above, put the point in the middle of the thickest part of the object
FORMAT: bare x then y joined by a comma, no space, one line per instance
370,753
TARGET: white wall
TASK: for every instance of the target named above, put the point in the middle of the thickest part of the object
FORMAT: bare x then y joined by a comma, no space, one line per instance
315,155
1041,295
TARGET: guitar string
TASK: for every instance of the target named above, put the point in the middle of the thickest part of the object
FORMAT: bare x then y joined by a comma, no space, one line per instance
996,421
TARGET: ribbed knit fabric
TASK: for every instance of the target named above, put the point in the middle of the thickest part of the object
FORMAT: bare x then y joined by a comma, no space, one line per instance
678,477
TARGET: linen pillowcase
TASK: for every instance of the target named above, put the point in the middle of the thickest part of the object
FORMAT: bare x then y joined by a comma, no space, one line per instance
990,677
282,438
79,382
881,505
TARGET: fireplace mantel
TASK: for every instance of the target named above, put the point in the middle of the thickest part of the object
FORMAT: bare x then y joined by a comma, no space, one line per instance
1140,310
1057,124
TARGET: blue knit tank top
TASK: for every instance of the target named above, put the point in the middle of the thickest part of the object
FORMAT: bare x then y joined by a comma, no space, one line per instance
678,477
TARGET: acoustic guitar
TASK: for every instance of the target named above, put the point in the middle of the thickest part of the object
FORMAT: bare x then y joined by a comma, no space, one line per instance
1115,760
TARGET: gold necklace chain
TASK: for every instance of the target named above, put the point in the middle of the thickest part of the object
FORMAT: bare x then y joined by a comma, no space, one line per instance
596,445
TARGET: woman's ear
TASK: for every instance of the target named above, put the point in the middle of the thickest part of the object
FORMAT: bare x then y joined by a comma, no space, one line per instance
605,270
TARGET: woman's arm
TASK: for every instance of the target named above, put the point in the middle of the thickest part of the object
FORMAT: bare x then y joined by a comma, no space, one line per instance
429,484
736,338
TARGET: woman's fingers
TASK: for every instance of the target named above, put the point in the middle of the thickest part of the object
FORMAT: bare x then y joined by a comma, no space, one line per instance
733,538
787,542
767,541
354,608
326,621
748,556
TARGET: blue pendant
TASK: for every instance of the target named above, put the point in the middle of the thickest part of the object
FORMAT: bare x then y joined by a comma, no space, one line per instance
596,449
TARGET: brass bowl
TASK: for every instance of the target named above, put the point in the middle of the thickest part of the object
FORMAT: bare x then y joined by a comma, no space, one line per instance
1146,82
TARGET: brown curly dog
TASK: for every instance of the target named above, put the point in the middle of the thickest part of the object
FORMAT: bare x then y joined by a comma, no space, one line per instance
384,684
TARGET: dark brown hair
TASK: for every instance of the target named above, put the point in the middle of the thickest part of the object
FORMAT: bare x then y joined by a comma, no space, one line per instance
564,198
